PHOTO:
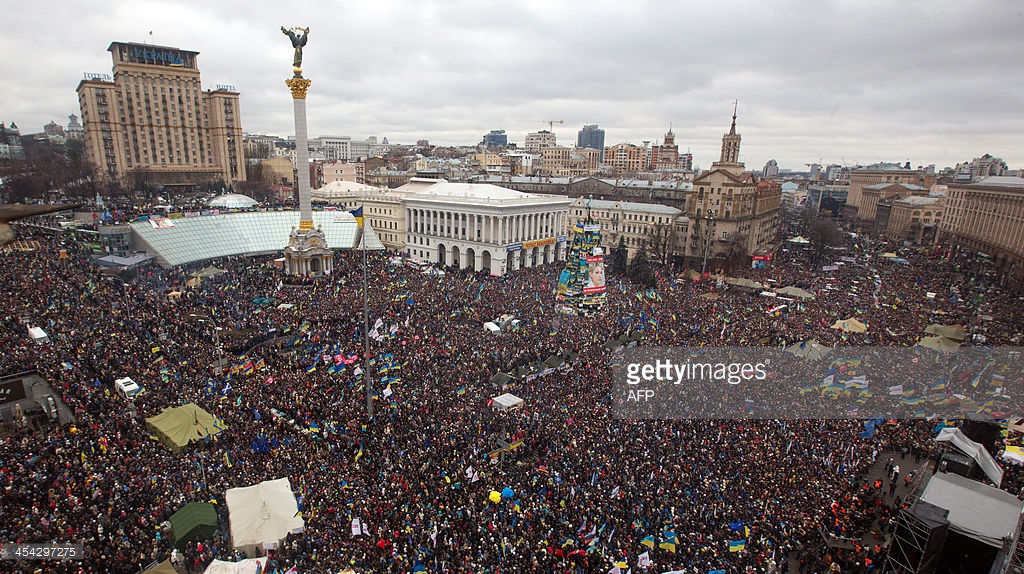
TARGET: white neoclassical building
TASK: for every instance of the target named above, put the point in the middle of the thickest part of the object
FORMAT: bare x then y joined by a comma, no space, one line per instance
482,226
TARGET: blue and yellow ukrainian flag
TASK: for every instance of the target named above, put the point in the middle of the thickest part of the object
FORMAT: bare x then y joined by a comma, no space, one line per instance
737,545
358,214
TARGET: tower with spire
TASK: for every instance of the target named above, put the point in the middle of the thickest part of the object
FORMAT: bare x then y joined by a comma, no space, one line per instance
730,157
734,215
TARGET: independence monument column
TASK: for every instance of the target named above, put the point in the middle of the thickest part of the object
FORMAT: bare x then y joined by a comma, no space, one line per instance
307,252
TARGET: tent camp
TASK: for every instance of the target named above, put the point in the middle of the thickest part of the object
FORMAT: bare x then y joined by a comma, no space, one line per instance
792,291
209,272
744,283
940,344
850,326
247,566
194,521
502,380
808,350
178,427
954,332
262,515
799,240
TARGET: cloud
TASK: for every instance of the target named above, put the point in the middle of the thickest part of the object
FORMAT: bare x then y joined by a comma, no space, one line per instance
932,82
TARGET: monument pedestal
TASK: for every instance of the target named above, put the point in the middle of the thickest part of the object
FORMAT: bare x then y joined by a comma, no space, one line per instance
307,253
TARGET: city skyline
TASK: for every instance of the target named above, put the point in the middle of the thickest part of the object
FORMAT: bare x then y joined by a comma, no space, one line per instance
842,82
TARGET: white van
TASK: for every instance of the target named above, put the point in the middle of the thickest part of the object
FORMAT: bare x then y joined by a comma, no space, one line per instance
127,388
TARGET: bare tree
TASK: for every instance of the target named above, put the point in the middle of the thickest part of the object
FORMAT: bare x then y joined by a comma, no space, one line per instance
737,254
661,243
822,232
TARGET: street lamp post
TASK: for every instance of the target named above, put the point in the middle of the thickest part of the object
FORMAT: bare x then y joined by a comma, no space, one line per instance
124,291
216,336
707,243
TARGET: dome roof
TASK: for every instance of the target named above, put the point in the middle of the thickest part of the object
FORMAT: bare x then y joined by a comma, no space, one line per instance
233,201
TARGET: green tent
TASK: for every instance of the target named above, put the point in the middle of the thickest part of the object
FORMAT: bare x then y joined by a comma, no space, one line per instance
178,427
954,332
502,379
194,521
554,361
940,344
792,291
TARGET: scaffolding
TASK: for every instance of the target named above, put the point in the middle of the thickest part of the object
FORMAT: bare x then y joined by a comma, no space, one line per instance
918,539
1017,558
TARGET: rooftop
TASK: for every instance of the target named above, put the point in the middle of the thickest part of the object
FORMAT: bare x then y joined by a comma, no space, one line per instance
883,167
907,186
194,239
1000,181
480,193
628,206
920,201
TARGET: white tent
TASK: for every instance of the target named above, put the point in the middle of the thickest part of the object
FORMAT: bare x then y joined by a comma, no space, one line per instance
507,401
974,450
38,335
248,566
262,515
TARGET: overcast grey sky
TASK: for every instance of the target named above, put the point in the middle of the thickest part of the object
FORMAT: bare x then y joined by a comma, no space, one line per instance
933,81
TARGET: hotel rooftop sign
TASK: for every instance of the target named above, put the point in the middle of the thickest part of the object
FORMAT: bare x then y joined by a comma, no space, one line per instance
153,55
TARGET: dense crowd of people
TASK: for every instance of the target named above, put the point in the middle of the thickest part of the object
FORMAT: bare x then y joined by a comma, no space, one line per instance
584,491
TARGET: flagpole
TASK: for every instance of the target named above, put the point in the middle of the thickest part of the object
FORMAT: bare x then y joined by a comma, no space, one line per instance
367,378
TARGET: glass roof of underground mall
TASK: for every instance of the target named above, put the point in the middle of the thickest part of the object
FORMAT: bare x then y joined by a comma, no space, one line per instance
199,238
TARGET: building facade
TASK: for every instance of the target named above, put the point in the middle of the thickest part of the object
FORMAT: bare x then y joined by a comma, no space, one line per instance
634,223
382,208
496,138
625,157
983,166
344,171
537,141
152,123
874,174
732,214
915,219
481,226
871,194
666,155
10,143
983,223
592,137
560,161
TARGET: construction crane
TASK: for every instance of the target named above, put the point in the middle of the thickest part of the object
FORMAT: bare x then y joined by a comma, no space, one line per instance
550,123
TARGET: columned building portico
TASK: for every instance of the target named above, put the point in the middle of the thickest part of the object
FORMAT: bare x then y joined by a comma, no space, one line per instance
482,226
